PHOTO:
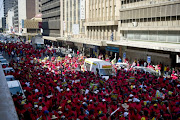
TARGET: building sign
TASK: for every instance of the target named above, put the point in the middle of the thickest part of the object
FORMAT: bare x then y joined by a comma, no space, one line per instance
112,49
148,59
75,29
22,23
64,25
82,10
124,55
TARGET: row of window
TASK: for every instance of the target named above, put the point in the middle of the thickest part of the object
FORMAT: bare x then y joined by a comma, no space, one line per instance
159,36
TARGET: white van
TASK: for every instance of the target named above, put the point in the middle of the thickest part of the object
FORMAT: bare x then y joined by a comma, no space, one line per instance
105,68
14,87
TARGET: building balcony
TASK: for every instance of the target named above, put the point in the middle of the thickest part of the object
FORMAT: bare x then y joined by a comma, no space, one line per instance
44,1
135,4
51,14
102,23
51,6
51,24
98,19
151,11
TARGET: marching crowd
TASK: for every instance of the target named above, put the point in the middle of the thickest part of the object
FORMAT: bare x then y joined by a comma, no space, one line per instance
54,89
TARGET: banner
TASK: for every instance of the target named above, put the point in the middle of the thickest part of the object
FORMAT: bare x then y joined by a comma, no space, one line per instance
82,10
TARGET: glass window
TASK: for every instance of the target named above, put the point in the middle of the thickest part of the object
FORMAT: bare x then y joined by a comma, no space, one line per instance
172,36
87,65
14,90
162,36
137,35
105,72
152,35
144,35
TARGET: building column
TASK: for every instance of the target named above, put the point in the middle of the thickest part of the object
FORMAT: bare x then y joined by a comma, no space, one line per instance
105,12
113,11
61,22
65,12
102,36
73,9
77,12
108,10
114,33
69,22
92,10
106,34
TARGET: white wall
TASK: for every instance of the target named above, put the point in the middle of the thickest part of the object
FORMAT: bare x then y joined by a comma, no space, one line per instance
21,14
9,19
0,22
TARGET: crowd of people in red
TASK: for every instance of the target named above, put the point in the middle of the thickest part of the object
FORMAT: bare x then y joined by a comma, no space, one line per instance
77,95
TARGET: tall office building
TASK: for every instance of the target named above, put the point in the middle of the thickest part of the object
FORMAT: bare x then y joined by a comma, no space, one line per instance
51,18
150,28
8,4
16,21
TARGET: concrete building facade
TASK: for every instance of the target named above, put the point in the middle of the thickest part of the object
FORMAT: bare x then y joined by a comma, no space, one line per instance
8,4
16,20
38,6
149,28
51,18
10,20
129,28
26,10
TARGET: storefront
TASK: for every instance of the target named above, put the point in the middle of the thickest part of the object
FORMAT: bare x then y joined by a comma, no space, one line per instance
111,51
91,50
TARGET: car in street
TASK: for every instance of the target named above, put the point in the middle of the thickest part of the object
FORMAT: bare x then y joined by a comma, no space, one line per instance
121,65
1,57
146,70
15,87
9,78
8,69
4,61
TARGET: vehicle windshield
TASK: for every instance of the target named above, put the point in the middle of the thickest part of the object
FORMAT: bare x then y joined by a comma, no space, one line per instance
14,90
150,70
10,78
105,72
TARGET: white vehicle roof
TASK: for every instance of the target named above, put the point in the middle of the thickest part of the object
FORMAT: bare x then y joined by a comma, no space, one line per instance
120,63
8,68
145,68
14,83
9,76
3,60
107,65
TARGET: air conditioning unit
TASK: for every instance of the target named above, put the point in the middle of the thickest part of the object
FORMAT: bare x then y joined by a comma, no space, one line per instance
135,24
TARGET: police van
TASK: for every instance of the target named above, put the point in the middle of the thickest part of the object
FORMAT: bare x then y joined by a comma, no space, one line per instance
101,67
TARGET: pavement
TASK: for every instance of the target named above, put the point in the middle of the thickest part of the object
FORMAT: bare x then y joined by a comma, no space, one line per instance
7,108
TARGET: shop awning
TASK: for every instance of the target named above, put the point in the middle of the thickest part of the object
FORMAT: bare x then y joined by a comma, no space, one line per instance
50,38
83,41
173,47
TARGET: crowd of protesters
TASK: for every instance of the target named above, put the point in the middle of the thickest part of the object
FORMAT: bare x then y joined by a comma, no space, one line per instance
56,90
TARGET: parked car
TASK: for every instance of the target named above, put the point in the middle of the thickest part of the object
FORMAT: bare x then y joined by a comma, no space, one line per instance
146,70
9,78
121,65
1,57
14,87
4,61
8,69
